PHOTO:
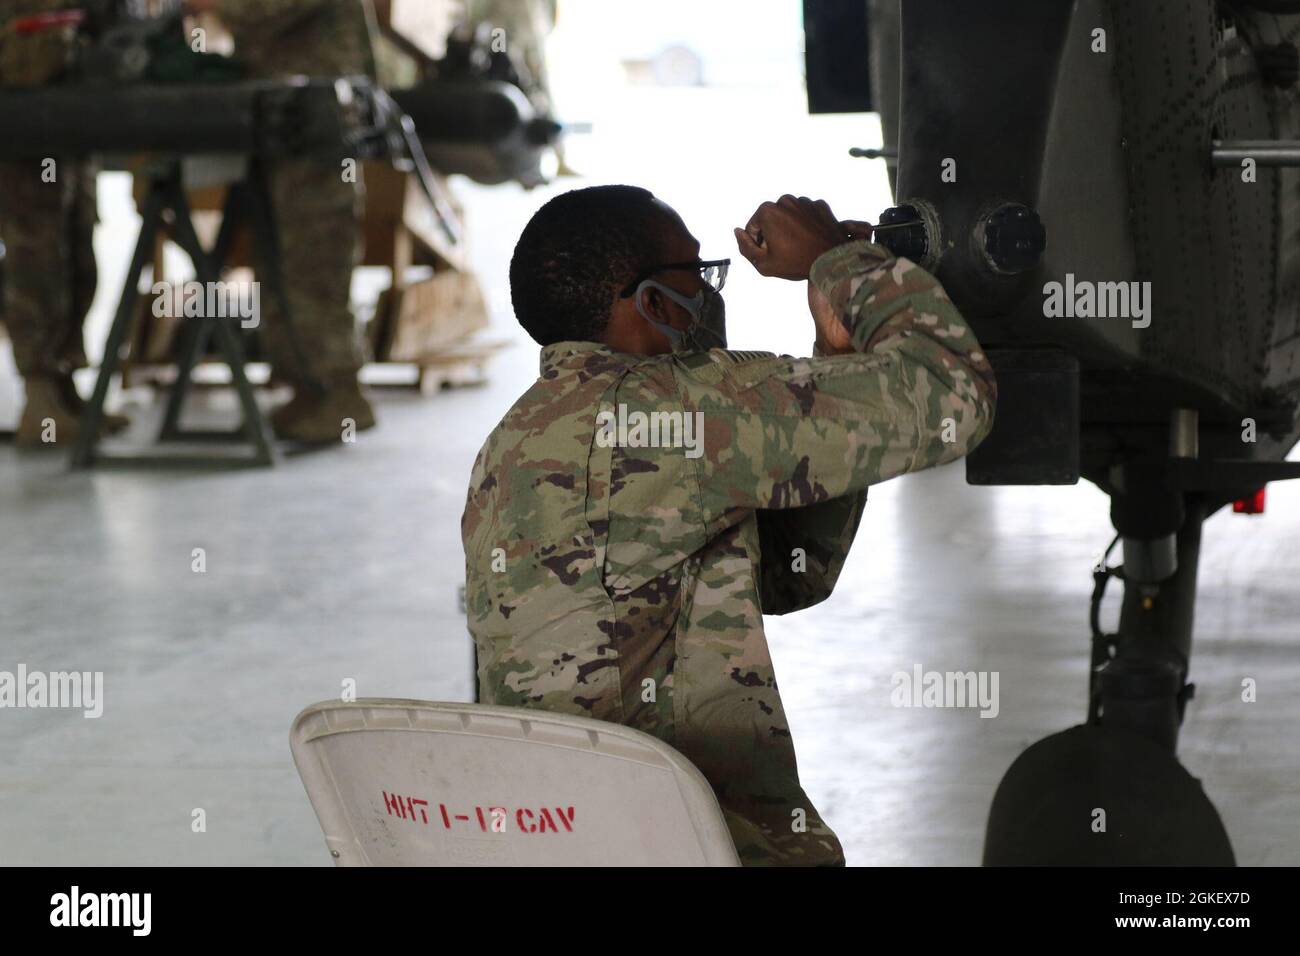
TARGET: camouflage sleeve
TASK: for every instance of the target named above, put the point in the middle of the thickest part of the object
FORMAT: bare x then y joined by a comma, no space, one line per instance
787,433
803,551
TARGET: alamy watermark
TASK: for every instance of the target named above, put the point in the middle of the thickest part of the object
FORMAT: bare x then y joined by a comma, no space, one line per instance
1084,299
83,690
921,688
215,300
637,429
129,910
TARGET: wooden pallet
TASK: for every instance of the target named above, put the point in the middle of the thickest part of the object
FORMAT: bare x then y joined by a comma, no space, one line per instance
456,367
459,365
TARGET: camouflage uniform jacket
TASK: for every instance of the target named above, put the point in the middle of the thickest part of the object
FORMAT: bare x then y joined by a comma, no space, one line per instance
629,583
301,37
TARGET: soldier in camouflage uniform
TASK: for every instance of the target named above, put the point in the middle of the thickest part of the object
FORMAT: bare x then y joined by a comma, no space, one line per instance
316,210
47,223
629,583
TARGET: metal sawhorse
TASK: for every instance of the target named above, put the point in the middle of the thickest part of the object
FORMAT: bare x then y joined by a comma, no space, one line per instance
166,194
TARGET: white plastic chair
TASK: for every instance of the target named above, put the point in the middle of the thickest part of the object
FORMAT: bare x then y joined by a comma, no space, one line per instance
418,783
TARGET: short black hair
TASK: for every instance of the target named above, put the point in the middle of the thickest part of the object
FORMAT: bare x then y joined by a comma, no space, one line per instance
576,254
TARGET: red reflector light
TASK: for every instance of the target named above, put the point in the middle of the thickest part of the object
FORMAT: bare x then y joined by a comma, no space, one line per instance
1254,505
44,21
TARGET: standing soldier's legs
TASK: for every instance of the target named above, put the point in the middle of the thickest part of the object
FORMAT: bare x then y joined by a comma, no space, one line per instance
47,222
316,215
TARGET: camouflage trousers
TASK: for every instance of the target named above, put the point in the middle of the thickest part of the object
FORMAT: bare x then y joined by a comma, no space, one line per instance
753,772
316,215
710,693
47,224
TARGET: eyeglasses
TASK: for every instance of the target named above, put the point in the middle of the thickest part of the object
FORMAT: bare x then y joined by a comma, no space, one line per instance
713,272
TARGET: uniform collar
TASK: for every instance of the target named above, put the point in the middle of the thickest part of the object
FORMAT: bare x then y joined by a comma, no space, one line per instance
591,356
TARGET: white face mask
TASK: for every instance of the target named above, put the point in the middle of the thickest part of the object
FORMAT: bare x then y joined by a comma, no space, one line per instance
708,328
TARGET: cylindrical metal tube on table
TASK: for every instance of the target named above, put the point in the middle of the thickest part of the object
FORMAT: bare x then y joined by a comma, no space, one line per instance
467,111
263,117
80,120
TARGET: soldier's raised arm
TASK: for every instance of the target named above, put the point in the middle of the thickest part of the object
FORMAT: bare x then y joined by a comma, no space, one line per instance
915,391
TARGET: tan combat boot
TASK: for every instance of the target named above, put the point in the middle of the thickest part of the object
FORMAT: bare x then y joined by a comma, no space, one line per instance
48,420
52,414
302,401
323,420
